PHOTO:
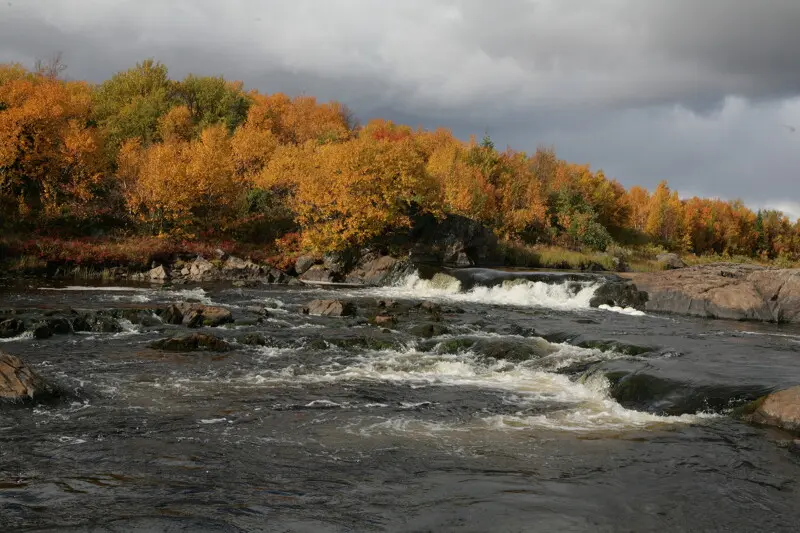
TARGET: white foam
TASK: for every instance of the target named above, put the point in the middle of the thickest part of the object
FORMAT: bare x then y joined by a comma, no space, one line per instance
94,288
519,293
25,336
623,310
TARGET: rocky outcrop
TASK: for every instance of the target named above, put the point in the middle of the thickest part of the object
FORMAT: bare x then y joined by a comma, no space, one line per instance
453,241
330,308
619,293
724,290
780,409
192,343
303,263
19,383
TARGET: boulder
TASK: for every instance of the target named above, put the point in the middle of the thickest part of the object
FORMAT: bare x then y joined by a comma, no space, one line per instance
780,409
18,382
619,294
724,290
197,315
235,268
103,324
670,261
303,263
11,328
319,273
172,315
201,270
380,270
158,274
339,262
192,343
330,308
42,330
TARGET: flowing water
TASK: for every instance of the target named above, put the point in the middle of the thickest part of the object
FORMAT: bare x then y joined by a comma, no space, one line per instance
519,409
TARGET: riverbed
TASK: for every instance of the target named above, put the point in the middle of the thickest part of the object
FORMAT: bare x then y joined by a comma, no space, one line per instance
521,409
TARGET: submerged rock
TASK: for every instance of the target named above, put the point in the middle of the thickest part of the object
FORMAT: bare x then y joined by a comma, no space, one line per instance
192,343
780,409
18,382
330,308
11,328
427,331
384,319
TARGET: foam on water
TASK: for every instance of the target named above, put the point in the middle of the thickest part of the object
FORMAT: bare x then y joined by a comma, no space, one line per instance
564,296
578,406
25,336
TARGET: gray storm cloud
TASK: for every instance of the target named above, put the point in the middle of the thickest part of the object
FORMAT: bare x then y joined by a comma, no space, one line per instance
692,92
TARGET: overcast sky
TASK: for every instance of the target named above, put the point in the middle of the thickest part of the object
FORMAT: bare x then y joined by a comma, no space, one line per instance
702,93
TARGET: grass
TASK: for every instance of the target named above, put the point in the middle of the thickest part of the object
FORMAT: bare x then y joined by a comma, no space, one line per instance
520,255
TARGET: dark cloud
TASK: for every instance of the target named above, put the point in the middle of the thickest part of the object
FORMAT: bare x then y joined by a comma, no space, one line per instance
693,92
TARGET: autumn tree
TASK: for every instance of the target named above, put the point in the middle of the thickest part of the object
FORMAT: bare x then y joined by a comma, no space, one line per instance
50,164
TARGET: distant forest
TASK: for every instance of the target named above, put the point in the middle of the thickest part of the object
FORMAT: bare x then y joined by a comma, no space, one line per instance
202,158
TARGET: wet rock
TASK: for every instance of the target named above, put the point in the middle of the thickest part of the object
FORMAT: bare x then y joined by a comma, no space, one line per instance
80,323
303,263
619,293
42,330
330,308
384,320
198,315
11,328
780,409
724,290
18,382
388,304
670,261
59,326
192,343
427,331
319,273
103,324
253,339
172,315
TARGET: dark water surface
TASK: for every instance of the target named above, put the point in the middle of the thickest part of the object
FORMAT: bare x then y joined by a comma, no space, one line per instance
336,425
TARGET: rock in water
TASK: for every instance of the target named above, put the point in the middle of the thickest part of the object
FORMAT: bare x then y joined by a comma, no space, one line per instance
172,315
18,382
330,308
192,343
11,328
197,315
780,409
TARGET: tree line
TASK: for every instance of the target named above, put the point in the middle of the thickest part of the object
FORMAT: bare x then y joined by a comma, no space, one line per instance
142,154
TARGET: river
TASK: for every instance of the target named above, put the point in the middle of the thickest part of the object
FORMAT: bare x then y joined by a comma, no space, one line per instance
525,410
